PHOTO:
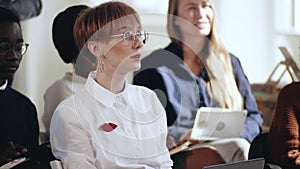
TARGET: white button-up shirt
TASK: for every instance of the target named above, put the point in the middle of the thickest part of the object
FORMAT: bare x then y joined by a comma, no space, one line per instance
138,141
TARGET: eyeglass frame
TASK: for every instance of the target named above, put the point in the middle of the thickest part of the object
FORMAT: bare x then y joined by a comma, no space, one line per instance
132,36
13,47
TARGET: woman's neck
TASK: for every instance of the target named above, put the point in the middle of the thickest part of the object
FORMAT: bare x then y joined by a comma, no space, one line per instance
192,59
195,44
112,82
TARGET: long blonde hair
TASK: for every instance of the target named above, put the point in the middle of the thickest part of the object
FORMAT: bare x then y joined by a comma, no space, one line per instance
222,86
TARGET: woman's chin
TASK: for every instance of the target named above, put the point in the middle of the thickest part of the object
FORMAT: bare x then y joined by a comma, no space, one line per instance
204,32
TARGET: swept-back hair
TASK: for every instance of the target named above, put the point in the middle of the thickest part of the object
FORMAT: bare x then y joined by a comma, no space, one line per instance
103,17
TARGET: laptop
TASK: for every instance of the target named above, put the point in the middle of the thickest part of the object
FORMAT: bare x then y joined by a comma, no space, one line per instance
216,123
257,163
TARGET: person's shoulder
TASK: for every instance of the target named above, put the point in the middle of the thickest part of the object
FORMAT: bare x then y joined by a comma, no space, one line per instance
55,86
18,97
171,49
233,56
234,60
140,91
160,57
138,88
154,56
141,94
293,85
291,88
69,101
66,108
60,86
67,78
16,94
156,52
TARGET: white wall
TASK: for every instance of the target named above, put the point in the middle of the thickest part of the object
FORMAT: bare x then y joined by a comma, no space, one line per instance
247,28
253,30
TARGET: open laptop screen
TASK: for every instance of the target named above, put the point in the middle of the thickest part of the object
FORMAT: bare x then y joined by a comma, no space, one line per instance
217,123
248,164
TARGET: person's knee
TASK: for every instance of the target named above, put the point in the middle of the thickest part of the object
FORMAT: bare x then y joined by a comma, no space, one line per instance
211,153
203,156
242,149
242,144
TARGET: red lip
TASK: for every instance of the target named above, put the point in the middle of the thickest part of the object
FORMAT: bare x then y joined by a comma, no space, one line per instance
108,127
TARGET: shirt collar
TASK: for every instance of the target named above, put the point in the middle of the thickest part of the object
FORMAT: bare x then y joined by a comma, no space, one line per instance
75,77
3,87
106,97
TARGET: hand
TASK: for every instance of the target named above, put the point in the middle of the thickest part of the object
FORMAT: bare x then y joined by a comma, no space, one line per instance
185,136
294,154
170,142
11,152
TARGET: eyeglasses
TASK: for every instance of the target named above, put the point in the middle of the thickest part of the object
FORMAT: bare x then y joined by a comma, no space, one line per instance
20,48
129,37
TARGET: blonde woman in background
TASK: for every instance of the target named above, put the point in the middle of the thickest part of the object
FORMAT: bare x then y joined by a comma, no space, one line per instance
195,70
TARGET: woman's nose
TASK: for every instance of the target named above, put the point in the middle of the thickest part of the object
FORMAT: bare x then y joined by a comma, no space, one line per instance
137,43
201,12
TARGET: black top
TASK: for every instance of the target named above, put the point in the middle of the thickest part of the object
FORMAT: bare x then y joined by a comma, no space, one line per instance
18,120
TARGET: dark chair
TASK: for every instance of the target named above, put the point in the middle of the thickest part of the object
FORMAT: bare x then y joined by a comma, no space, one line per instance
258,149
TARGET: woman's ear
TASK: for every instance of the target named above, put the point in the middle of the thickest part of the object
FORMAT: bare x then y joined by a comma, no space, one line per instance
94,48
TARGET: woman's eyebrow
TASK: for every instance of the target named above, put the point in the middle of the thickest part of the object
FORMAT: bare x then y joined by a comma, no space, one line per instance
190,4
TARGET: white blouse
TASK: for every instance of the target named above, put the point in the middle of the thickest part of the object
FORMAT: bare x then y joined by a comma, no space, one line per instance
81,136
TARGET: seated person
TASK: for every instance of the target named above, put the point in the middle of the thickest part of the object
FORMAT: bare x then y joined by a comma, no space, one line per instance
283,137
18,123
62,35
110,123
195,71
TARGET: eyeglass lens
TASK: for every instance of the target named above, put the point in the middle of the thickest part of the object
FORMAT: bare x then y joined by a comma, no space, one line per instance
129,36
20,48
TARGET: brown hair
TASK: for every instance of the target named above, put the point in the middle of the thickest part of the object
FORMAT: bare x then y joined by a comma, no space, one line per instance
102,17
